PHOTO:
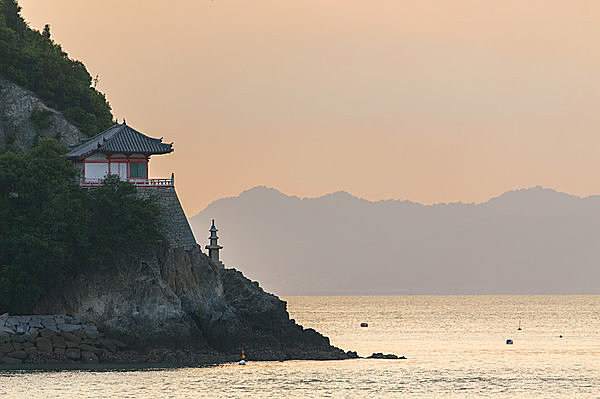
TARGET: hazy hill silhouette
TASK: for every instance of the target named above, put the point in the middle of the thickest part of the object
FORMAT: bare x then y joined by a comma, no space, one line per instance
526,241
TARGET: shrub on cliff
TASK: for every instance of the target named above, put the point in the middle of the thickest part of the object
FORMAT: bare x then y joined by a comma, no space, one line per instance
51,229
33,60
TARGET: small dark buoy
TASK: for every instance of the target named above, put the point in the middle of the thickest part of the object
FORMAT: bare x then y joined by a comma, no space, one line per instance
519,329
560,336
509,342
364,324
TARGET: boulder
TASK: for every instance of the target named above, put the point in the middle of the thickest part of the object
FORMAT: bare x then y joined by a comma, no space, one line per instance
11,360
89,357
28,344
119,344
108,344
73,353
36,323
58,342
31,335
18,338
6,348
86,347
22,328
68,327
8,329
92,332
70,337
53,327
31,350
46,332
44,345
4,337
19,355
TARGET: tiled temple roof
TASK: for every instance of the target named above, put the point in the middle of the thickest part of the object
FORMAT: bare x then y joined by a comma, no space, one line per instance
120,138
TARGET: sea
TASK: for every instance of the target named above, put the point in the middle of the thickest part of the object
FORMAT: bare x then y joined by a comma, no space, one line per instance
455,347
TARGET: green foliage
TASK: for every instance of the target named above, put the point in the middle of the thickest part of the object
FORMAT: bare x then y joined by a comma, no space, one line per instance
10,139
51,229
32,60
121,220
41,119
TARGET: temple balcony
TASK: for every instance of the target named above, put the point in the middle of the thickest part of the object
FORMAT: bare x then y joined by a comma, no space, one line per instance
138,182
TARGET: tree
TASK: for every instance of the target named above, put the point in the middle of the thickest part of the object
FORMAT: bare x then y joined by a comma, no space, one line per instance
51,229
46,31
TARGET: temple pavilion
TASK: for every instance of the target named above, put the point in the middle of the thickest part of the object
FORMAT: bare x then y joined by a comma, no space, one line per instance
119,150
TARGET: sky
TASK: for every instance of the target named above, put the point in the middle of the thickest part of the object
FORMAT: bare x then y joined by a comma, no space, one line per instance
431,101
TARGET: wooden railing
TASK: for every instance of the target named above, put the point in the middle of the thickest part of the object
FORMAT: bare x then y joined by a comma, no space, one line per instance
137,181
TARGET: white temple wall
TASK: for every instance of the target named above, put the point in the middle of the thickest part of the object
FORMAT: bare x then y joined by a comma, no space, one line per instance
97,170
120,169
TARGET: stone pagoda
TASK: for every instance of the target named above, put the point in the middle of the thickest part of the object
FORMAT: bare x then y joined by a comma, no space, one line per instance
213,248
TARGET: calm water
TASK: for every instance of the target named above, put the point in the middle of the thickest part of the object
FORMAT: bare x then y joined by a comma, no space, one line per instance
455,347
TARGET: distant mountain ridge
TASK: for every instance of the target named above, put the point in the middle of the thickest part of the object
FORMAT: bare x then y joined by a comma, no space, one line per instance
527,241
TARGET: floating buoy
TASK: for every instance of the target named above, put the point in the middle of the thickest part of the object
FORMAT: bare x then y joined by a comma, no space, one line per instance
243,361
364,324
519,325
509,342
560,336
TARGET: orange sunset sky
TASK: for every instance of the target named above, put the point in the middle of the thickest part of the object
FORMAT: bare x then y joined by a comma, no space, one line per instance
432,101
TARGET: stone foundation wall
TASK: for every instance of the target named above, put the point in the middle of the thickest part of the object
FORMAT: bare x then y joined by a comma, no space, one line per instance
53,339
174,220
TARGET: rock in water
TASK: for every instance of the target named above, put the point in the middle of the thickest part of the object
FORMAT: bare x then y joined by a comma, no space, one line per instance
380,355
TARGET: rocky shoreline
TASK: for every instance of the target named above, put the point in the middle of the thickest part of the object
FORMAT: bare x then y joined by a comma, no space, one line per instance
62,340
53,338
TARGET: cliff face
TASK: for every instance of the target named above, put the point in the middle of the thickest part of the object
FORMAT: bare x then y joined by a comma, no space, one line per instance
18,111
176,298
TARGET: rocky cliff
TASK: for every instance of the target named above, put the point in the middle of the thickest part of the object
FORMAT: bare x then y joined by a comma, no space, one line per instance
23,117
175,299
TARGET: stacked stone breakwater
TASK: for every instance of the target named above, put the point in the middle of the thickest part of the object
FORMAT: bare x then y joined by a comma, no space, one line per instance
53,339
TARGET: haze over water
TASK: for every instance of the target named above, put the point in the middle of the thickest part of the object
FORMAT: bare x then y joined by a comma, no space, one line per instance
455,347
